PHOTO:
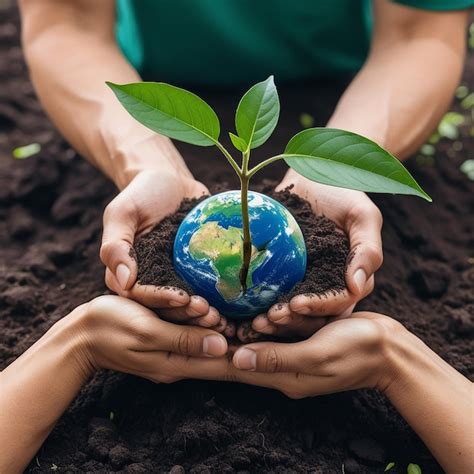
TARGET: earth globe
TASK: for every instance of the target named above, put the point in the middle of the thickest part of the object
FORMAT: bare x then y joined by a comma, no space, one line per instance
207,253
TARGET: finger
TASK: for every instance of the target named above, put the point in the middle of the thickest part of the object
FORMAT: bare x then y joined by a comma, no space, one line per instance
273,357
156,296
363,226
120,227
288,323
189,340
327,304
246,333
211,320
196,308
160,366
225,327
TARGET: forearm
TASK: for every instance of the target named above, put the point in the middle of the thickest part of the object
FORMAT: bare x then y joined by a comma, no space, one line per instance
435,399
407,83
36,389
70,58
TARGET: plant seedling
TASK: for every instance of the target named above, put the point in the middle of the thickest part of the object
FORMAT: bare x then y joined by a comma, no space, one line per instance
325,155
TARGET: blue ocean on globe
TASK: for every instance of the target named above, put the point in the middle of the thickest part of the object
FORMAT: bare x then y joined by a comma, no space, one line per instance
207,253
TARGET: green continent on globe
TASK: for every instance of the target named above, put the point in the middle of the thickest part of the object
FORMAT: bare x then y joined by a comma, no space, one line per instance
223,248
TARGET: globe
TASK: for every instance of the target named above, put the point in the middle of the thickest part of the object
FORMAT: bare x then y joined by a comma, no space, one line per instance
207,253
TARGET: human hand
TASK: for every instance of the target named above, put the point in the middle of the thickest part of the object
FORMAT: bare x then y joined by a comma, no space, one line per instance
346,354
359,218
149,197
119,334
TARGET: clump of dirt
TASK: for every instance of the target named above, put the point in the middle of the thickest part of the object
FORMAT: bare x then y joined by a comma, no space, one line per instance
327,247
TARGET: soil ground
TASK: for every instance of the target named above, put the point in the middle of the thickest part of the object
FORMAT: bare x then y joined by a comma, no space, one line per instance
50,226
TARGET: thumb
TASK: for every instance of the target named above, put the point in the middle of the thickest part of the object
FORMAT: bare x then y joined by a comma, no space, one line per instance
273,357
120,227
366,255
189,340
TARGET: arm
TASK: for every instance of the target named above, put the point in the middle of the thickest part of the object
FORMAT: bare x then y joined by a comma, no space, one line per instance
110,333
397,99
71,51
409,78
435,400
374,351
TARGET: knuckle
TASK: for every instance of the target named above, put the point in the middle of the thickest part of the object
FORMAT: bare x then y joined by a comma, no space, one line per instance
185,343
273,361
106,251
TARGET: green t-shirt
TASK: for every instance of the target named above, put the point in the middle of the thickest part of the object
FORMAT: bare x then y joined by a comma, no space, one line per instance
224,42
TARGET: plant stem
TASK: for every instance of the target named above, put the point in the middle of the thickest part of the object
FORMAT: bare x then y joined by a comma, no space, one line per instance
264,163
247,242
230,159
244,176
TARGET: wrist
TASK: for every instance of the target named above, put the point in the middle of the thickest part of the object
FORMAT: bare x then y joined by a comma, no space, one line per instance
70,337
403,355
151,152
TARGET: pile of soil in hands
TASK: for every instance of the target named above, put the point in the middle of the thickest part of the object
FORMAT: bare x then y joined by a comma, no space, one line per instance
49,264
327,247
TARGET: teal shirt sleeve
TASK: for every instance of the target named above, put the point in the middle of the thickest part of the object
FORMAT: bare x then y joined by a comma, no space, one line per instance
437,5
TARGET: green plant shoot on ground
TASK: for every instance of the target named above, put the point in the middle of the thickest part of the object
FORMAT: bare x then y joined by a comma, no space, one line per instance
325,155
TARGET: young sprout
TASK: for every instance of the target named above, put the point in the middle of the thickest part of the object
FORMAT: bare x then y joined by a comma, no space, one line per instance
325,155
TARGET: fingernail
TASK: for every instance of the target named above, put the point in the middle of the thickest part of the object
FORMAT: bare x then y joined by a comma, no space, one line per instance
214,345
122,273
246,359
360,279
303,310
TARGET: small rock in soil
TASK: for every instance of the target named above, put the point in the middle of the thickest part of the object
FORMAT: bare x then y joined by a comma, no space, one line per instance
139,468
20,225
60,253
461,320
430,279
102,439
367,449
178,469
19,299
118,456
351,466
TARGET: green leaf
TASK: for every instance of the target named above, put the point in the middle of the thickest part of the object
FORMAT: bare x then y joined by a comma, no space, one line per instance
347,160
413,469
257,113
169,110
238,142
389,466
23,152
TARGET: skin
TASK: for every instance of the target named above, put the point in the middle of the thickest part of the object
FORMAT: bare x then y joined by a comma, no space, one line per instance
119,334
391,101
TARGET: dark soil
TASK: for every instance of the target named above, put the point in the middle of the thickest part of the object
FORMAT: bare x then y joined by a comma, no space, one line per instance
327,247
50,225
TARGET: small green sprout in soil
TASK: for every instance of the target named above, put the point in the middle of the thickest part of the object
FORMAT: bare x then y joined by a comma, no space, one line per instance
413,469
468,169
306,120
389,466
326,155
22,152
449,125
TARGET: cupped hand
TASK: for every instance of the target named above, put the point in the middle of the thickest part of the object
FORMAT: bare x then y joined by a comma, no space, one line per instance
149,197
120,334
346,354
355,214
